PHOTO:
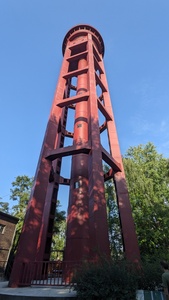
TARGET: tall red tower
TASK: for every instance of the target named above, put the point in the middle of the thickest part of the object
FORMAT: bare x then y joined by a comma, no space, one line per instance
82,87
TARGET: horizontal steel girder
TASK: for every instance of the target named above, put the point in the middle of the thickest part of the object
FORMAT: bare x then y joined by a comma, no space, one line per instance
73,100
85,148
67,151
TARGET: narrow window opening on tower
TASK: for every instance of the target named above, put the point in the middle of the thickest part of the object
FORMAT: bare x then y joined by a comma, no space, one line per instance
76,185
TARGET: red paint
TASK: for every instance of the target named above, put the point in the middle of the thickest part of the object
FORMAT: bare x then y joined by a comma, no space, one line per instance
87,228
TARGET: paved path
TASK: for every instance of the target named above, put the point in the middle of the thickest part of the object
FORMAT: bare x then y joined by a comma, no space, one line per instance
35,292
59,293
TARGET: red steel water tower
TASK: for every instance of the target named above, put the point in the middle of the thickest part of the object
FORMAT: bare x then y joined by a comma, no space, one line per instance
82,87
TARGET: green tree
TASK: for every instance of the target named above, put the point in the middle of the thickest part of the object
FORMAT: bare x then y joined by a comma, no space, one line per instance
4,207
147,175
20,193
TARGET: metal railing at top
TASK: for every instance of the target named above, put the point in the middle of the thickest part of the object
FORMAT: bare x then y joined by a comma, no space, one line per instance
48,273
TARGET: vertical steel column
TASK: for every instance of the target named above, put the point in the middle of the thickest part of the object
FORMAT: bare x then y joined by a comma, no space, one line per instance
99,241
77,236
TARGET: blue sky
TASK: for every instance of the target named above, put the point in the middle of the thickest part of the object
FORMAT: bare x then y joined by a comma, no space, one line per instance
136,37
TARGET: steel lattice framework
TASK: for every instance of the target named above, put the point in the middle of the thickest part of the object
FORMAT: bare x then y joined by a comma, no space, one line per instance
82,87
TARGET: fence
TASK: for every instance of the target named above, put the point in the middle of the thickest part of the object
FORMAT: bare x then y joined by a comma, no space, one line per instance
59,273
49,273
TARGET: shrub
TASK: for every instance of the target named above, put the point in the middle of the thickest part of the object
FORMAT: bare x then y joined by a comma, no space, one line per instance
105,280
150,275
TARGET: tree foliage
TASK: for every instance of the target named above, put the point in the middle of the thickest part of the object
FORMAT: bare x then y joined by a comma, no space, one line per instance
105,280
20,193
147,174
4,207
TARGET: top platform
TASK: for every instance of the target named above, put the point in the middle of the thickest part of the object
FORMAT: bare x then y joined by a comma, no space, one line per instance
80,29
